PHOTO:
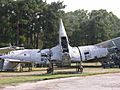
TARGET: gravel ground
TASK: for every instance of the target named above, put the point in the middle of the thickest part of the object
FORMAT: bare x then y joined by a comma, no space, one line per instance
97,82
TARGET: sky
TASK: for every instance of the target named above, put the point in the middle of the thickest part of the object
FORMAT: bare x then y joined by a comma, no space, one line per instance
109,5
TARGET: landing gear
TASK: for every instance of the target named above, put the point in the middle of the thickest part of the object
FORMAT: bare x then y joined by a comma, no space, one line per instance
79,67
25,65
50,68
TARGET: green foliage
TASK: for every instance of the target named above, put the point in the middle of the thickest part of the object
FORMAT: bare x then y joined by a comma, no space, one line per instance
102,26
75,24
90,28
28,22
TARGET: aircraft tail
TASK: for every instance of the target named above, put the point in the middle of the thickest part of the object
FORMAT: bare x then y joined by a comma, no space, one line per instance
63,39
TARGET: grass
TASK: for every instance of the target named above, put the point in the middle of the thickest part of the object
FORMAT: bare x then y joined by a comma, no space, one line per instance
12,80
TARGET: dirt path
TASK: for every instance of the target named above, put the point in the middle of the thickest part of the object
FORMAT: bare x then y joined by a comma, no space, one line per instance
98,82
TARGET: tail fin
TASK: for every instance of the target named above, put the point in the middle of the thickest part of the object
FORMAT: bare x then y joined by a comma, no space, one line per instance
63,39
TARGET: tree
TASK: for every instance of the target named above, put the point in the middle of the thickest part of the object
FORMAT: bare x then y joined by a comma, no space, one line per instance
101,26
75,23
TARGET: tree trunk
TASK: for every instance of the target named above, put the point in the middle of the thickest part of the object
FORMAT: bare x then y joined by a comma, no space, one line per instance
17,34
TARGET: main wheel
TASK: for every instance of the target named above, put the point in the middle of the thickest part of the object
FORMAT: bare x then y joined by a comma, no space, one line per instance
81,69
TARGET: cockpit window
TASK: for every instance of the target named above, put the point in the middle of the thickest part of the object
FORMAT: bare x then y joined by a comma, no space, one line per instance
64,44
86,52
39,51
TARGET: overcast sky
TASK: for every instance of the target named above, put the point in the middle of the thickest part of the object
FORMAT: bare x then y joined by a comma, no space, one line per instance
109,5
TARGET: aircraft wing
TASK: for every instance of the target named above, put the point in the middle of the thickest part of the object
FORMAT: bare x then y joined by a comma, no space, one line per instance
113,43
17,61
4,48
